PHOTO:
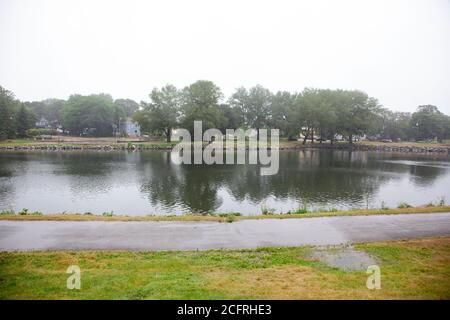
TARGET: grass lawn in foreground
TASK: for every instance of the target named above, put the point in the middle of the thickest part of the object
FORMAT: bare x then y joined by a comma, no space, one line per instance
409,269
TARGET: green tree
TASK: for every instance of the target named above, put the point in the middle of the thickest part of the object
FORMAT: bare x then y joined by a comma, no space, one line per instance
309,106
200,102
401,126
128,106
161,115
49,109
255,105
25,120
281,113
232,118
95,114
326,116
8,104
356,113
119,114
429,123
142,117
392,125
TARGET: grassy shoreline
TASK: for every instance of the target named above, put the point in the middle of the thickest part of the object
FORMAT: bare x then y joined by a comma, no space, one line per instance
410,269
112,144
224,217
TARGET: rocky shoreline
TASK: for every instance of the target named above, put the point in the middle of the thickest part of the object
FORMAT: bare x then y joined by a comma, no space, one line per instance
82,147
137,147
382,148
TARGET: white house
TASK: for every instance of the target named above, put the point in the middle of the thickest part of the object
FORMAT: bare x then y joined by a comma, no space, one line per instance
129,128
42,123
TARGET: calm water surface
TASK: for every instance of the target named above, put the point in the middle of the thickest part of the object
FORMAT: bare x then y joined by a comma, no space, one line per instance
142,183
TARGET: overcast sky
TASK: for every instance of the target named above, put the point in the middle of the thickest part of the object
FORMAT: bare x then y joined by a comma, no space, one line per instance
396,50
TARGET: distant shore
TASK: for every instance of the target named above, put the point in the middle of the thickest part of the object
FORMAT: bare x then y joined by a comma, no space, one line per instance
111,144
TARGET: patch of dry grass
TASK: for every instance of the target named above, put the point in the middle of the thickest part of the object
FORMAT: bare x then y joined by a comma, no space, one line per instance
419,270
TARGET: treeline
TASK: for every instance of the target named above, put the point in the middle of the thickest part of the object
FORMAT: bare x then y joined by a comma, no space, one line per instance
96,115
15,117
320,114
313,113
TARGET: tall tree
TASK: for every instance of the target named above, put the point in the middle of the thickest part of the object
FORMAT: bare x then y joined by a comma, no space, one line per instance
200,102
49,109
161,114
8,104
430,123
281,109
326,117
356,113
233,118
400,126
392,125
94,114
255,105
129,106
310,105
24,120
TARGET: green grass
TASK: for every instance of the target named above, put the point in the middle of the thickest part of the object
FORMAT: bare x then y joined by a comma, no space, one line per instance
18,142
416,269
302,212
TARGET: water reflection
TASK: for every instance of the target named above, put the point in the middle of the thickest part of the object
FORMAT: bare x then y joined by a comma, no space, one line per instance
150,183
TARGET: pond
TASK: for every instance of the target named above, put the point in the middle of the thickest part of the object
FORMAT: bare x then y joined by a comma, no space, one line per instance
148,182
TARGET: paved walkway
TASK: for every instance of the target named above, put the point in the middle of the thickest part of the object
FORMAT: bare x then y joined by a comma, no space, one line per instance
71,235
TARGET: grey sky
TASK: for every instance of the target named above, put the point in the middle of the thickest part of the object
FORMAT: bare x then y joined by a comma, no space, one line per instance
396,50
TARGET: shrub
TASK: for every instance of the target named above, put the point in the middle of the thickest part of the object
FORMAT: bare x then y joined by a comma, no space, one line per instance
404,205
231,218
301,210
108,214
25,212
266,211
7,212
236,214
38,132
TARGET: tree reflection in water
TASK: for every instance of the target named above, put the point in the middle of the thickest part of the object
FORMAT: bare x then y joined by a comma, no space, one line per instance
150,182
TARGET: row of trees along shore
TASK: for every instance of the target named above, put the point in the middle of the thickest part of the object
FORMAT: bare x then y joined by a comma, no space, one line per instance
321,113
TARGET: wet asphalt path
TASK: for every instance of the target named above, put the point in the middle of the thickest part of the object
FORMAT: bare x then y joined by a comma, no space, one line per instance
96,235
